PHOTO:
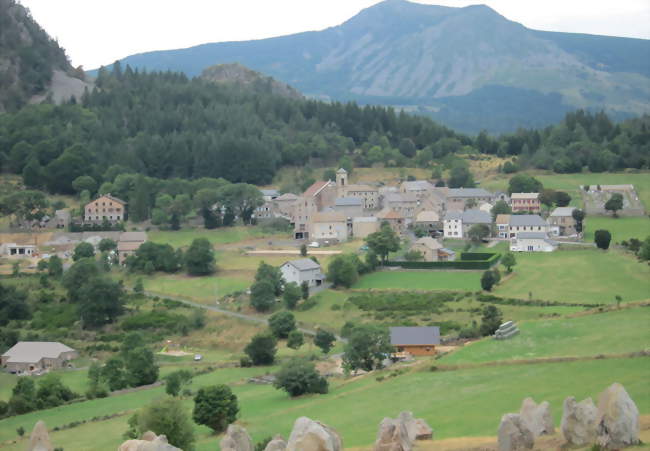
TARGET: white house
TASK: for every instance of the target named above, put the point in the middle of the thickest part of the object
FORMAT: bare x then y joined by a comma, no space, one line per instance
526,223
302,270
453,224
18,250
532,242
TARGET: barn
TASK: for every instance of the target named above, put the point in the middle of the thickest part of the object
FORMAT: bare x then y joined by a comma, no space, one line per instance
415,340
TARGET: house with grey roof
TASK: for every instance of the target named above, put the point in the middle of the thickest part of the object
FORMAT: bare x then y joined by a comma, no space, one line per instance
351,207
457,223
526,223
415,340
532,242
36,356
561,222
457,198
302,270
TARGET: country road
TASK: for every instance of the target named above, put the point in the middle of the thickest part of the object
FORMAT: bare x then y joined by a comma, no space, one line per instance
230,313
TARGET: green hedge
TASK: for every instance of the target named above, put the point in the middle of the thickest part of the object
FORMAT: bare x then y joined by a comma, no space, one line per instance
476,256
460,264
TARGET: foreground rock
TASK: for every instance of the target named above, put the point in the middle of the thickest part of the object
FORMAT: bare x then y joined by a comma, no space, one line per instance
537,418
417,428
149,442
393,436
514,434
277,444
618,419
39,440
236,439
579,421
310,435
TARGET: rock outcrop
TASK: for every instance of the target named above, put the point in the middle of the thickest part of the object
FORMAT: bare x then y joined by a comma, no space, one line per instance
393,436
537,417
310,435
277,444
39,440
514,434
149,442
417,428
579,420
236,439
618,419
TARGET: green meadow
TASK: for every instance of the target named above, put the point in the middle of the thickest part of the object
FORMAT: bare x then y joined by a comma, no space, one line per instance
421,280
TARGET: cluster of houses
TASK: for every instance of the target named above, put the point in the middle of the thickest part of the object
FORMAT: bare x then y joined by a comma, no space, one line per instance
334,211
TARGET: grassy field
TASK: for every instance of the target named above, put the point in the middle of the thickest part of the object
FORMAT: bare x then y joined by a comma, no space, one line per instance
202,289
421,280
615,332
580,276
225,235
455,403
622,228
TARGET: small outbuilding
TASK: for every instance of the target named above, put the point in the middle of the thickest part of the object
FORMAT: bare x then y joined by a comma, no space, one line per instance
34,356
415,340
302,270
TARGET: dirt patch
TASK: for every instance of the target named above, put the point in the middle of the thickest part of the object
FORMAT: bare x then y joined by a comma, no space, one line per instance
175,353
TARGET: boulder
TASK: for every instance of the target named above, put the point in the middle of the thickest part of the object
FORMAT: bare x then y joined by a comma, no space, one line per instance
514,434
417,428
537,417
579,421
618,419
159,443
236,439
393,436
277,444
310,435
39,440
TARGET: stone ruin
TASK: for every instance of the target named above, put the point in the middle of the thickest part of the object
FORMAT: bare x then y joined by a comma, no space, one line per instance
506,330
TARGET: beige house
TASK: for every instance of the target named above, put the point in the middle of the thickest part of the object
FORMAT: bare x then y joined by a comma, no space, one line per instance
432,250
428,220
368,194
404,204
502,225
364,226
457,198
29,356
394,219
351,207
561,221
421,189
526,223
105,208
285,204
128,243
316,198
328,225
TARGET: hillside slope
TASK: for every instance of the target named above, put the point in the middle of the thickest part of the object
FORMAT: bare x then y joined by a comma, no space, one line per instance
443,61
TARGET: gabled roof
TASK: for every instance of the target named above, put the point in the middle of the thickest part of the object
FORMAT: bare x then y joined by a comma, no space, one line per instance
270,192
417,185
404,336
476,217
348,202
503,219
563,211
401,197
341,171
303,264
468,192
427,216
524,196
127,246
108,196
287,196
316,188
429,242
527,220
453,214
34,351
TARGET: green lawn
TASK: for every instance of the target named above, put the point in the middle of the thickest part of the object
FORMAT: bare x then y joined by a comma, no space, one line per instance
201,289
421,280
615,332
225,235
455,403
577,276
622,228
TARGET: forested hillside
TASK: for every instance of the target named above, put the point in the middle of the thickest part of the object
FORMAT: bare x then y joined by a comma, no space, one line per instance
165,125
28,57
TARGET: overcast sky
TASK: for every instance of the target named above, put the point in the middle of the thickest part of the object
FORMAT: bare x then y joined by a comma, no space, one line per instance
97,32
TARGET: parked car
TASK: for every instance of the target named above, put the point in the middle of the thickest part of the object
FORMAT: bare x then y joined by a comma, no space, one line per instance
198,357
314,244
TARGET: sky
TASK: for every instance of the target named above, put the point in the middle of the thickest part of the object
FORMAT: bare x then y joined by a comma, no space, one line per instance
95,32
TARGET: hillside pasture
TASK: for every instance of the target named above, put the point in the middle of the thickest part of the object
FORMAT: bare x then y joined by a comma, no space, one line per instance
622,229
220,236
612,332
577,276
421,280
206,289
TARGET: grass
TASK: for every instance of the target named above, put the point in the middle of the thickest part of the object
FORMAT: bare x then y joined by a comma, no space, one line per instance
225,235
622,228
201,289
615,332
455,403
577,276
421,280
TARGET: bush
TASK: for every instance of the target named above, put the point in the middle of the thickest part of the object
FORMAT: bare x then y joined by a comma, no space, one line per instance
602,238
298,377
282,323
262,348
295,340
215,407
324,340
167,416
245,362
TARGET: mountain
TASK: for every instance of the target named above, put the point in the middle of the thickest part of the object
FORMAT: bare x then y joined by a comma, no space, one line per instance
32,65
246,78
469,67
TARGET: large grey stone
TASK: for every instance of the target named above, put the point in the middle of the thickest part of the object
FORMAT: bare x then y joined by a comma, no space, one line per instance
514,434
39,440
393,436
277,444
236,439
417,428
149,442
618,419
579,420
310,435
537,418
